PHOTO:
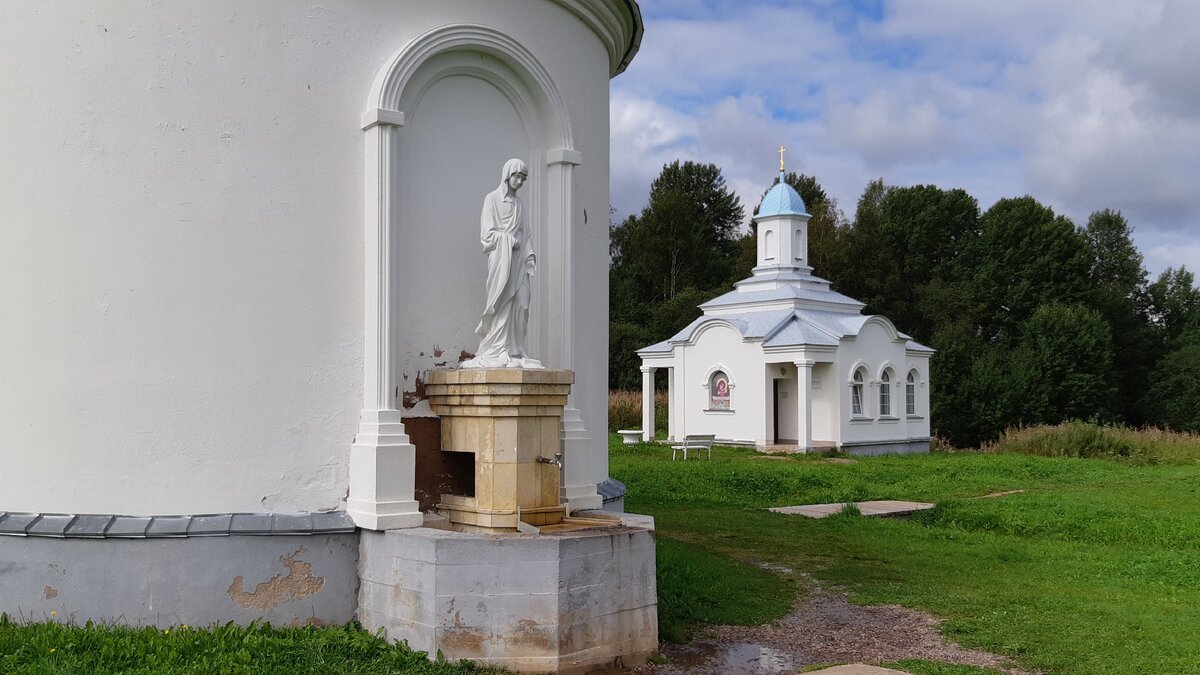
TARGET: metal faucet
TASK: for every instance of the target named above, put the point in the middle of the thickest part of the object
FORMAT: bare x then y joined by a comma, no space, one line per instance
557,461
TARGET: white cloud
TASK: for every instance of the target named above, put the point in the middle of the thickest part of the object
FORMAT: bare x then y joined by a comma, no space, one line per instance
1083,105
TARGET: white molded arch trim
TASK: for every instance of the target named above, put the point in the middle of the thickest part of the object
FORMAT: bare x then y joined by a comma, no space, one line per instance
714,322
390,83
718,368
858,366
886,367
887,326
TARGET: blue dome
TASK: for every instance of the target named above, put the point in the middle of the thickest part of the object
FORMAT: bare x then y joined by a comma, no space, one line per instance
781,200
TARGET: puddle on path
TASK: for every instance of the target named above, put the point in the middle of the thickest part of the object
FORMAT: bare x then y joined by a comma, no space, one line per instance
704,657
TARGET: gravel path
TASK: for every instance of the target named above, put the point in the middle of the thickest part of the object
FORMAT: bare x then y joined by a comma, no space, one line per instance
823,628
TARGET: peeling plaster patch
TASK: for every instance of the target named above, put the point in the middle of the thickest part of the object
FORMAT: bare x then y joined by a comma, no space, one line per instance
307,621
420,409
412,397
49,592
298,583
437,352
465,355
464,640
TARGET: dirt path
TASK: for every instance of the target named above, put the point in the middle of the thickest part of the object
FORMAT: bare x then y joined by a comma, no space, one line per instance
823,628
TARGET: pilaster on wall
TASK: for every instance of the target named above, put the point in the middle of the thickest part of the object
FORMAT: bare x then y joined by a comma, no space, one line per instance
579,481
382,459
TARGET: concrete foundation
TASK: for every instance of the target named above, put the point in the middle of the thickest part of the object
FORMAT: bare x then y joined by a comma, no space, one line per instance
887,448
287,580
565,602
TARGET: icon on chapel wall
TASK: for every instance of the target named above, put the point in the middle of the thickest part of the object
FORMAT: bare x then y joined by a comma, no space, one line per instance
718,397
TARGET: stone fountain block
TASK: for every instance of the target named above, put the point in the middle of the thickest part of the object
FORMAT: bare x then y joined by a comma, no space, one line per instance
507,418
566,602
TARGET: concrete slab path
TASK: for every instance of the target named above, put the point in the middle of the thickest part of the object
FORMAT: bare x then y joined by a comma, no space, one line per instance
885,507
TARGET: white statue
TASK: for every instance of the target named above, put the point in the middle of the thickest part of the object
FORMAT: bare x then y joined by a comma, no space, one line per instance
510,264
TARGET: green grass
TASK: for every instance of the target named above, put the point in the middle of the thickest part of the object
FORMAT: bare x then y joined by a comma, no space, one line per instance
1094,569
53,648
1081,439
698,587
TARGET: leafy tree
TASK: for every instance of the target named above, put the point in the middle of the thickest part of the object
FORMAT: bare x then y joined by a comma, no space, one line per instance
1174,303
925,229
1067,351
1119,292
684,238
1172,398
1025,257
679,251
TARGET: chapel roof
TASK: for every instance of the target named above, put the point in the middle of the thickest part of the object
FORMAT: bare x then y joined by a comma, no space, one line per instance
784,328
781,200
814,292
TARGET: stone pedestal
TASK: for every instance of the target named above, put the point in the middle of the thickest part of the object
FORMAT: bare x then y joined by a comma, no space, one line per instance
509,419
567,602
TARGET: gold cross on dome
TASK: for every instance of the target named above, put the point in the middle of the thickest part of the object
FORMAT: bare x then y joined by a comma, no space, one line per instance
781,151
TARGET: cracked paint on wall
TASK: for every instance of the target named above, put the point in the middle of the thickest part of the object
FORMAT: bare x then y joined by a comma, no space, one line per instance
298,583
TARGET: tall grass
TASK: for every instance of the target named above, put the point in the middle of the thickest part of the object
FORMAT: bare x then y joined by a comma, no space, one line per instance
1083,439
625,409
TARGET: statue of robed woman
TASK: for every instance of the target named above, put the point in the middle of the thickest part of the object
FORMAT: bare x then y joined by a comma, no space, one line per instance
504,326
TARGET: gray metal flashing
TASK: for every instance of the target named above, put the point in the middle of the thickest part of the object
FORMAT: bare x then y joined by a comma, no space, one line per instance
611,490
105,526
51,525
128,527
89,526
635,41
168,526
16,523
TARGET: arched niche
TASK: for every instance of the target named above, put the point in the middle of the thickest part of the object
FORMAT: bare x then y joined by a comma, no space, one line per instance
442,117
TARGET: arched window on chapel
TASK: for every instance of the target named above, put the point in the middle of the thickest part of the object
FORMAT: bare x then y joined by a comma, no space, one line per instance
910,393
718,391
856,394
885,394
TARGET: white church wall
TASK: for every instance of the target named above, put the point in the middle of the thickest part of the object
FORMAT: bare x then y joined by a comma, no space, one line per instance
719,345
825,410
873,348
918,425
182,249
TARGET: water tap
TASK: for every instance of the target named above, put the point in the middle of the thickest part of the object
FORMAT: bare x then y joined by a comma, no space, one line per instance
557,461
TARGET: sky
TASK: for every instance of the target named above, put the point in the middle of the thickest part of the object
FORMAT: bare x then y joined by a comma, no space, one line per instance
1084,104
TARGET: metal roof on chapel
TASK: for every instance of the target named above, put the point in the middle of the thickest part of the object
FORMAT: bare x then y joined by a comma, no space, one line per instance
781,200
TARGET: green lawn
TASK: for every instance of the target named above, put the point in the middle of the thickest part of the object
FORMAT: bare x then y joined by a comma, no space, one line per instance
1094,569
47,648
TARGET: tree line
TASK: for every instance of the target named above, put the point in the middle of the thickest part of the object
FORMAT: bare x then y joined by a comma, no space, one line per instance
1035,319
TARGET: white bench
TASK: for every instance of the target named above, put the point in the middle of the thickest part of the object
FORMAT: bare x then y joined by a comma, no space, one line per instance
694,442
630,436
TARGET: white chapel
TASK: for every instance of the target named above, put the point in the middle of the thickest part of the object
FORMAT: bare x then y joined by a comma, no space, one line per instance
784,359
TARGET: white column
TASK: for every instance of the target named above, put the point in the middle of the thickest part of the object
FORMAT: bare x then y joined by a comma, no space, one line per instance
382,460
647,403
672,409
579,475
804,403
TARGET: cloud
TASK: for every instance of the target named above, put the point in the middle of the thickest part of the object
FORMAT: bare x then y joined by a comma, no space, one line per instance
885,130
1083,105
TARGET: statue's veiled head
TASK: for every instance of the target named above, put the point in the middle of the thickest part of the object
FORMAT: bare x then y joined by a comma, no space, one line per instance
514,174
